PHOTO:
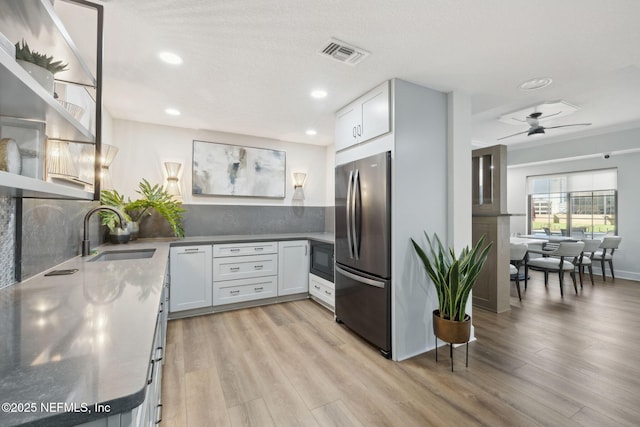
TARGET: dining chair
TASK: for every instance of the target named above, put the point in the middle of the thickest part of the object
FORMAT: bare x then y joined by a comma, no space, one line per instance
518,258
608,246
560,260
590,247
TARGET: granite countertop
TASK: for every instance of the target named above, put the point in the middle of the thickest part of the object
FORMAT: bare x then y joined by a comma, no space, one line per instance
83,339
239,238
86,338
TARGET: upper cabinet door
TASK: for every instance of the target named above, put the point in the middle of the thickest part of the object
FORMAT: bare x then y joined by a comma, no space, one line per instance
365,118
347,121
376,119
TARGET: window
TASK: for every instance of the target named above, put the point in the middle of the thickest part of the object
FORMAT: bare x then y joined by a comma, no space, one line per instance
577,204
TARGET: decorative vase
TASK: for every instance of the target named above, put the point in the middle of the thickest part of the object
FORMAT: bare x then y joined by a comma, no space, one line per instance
451,331
134,230
39,74
119,235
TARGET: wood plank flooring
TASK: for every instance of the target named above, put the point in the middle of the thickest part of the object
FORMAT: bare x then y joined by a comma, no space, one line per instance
550,361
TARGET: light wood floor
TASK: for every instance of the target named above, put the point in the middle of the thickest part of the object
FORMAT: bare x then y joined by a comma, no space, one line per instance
550,361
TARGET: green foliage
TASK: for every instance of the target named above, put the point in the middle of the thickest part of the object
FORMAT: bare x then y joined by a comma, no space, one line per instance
114,200
25,54
153,197
453,277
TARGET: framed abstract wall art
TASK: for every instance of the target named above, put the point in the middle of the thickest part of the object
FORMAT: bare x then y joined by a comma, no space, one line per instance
234,170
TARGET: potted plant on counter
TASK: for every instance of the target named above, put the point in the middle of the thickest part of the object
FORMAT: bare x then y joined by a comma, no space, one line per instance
453,277
154,197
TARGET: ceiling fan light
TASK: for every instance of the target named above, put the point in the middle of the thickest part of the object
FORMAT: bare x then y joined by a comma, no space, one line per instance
535,84
536,131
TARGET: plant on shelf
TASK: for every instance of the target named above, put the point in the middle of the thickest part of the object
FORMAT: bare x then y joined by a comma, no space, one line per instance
154,197
24,53
453,277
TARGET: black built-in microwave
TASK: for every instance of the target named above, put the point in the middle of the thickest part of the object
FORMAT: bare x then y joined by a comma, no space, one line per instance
322,259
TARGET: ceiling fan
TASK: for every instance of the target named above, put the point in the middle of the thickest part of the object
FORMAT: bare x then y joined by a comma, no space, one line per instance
535,128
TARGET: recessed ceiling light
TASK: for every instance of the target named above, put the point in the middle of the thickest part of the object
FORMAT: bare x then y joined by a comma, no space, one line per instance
535,84
172,111
170,58
311,132
319,94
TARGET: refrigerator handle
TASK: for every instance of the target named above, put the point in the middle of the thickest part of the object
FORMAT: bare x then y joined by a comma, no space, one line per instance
349,207
354,208
366,281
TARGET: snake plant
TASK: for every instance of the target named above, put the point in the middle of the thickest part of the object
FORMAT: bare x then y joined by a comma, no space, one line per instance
453,276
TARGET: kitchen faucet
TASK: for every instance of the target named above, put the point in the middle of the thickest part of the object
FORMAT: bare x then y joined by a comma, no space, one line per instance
85,236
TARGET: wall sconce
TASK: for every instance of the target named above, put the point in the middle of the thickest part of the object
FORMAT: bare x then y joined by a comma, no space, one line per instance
59,161
108,154
298,182
173,187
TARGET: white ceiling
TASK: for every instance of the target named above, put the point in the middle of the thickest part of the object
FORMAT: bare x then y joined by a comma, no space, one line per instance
249,65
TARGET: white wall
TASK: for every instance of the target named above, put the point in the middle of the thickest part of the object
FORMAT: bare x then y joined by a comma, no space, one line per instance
145,147
625,149
330,191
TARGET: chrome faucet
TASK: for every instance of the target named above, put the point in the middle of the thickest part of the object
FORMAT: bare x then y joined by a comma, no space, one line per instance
85,237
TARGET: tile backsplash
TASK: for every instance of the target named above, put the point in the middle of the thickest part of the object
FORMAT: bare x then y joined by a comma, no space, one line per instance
52,229
52,232
7,241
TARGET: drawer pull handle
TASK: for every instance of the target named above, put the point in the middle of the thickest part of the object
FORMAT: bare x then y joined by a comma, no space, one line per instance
258,249
234,250
317,287
258,289
191,250
234,268
258,267
235,292
327,292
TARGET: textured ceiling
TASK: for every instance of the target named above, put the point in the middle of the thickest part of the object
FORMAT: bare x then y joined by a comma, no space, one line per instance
249,65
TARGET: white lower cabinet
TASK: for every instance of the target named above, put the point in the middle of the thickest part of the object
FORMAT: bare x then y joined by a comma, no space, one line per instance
293,266
244,272
231,291
322,291
191,277
244,267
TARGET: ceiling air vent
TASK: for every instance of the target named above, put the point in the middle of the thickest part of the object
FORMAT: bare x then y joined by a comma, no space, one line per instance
343,52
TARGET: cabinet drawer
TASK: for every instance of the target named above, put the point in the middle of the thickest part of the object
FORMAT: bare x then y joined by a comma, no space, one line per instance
244,267
322,289
241,249
231,291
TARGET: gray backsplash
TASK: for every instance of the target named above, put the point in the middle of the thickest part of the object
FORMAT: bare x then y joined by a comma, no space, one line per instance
52,232
52,229
202,220
7,241
330,219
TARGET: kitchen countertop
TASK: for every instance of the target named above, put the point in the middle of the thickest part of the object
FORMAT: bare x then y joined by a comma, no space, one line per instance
87,338
84,338
238,238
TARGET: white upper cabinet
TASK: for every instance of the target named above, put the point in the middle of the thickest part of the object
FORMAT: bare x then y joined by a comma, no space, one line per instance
365,118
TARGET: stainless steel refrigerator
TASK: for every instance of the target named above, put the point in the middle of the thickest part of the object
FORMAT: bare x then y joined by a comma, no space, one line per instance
363,249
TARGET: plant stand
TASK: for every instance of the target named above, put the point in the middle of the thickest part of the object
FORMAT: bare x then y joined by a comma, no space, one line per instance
451,353
452,332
